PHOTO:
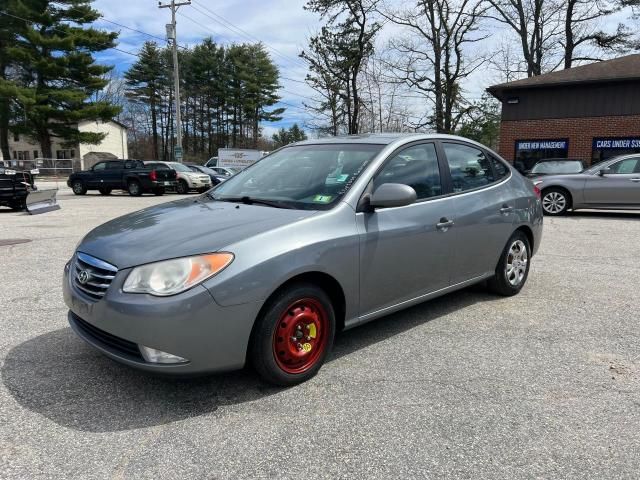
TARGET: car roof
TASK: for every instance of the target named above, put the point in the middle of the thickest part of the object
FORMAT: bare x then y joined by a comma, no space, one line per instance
559,160
382,138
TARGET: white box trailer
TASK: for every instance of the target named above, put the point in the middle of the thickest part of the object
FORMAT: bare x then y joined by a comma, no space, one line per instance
238,157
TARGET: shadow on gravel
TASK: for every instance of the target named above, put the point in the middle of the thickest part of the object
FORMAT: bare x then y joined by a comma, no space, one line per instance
58,376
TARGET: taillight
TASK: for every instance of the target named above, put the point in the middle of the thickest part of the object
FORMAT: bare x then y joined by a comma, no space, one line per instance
537,191
153,176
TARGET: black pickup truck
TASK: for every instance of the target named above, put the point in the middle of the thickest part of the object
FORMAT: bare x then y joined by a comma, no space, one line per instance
130,175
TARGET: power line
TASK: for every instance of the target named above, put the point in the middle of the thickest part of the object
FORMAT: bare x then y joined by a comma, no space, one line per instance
65,32
239,31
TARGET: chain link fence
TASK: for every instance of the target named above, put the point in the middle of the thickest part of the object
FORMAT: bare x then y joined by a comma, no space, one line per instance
50,168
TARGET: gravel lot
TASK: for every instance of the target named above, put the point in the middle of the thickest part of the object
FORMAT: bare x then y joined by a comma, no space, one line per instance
542,385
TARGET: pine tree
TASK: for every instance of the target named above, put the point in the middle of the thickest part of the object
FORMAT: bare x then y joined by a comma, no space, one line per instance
146,80
52,52
284,137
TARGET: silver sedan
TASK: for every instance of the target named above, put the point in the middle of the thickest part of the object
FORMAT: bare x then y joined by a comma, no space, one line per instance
612,184
318,237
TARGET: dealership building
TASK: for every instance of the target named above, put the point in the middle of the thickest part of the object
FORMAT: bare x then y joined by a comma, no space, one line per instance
590,113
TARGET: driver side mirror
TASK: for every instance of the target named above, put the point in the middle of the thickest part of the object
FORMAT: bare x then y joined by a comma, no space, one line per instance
605,171
390,195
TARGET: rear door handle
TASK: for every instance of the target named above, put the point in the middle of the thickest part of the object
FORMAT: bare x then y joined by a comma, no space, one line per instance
444,224
506,209
635,179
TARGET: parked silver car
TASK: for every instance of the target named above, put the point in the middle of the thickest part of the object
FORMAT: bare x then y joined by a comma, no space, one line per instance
612,184
315,238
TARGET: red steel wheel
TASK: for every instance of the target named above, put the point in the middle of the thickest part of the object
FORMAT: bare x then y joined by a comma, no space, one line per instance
293,335
300,336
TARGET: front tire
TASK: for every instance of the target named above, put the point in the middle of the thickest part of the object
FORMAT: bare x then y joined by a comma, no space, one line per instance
182,188
555,201
293,335
513,268
78,187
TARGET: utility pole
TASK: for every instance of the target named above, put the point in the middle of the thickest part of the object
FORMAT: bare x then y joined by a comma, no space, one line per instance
172,35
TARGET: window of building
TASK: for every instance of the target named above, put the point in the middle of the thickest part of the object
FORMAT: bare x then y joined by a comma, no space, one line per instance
22,155
16,137
416,166
529,152
606,148
65,154
469,166
35,154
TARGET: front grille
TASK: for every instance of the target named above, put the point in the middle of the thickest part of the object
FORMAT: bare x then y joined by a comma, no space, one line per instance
92,276
108,341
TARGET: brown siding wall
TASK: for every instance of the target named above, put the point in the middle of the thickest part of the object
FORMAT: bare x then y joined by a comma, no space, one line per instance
579,131
595,100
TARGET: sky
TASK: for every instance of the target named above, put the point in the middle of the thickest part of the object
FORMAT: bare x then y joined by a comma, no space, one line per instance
282,25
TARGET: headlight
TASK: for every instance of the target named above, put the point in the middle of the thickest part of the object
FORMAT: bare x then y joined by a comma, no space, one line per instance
174,276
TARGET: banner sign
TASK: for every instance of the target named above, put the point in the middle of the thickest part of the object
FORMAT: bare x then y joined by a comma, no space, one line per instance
612,143
542,145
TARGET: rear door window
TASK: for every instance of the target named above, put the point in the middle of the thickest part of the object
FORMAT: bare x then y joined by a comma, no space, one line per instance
499,168
114,165
470,168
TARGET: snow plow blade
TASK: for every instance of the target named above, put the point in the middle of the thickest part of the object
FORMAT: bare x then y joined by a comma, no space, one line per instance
41,201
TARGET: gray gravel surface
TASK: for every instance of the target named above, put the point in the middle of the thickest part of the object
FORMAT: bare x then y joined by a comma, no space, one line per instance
542,385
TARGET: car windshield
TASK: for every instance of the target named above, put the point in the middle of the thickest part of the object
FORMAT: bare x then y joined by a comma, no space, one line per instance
559,166
179,167
311,177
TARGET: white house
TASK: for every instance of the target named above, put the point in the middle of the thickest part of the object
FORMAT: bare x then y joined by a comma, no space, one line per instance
114,144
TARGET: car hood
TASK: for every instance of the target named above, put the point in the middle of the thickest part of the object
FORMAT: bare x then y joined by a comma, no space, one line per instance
182,228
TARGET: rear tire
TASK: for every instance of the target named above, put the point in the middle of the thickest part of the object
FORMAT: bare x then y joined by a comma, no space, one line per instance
555,201
134,189
182,187
513,268
293,335
105,191
78,187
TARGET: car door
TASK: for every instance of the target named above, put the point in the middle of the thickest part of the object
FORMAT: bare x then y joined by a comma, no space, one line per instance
113,174
404,251
98,175
484,210
620,186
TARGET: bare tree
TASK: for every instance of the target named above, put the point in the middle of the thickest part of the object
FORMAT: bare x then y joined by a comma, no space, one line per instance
537,26
434,56
581,18
341,50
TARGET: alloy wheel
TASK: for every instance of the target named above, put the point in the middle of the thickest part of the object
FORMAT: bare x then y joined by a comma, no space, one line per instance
517,261
301,335
554,202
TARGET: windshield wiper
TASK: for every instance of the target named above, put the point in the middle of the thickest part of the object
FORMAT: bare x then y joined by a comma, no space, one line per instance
250,201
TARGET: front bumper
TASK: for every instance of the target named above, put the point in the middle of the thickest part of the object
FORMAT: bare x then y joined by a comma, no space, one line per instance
191,325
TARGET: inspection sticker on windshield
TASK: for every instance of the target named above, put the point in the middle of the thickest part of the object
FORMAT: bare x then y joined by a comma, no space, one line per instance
323,198
342,178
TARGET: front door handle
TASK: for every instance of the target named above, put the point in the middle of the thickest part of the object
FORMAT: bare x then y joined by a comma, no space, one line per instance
635,179
506,209
444,224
